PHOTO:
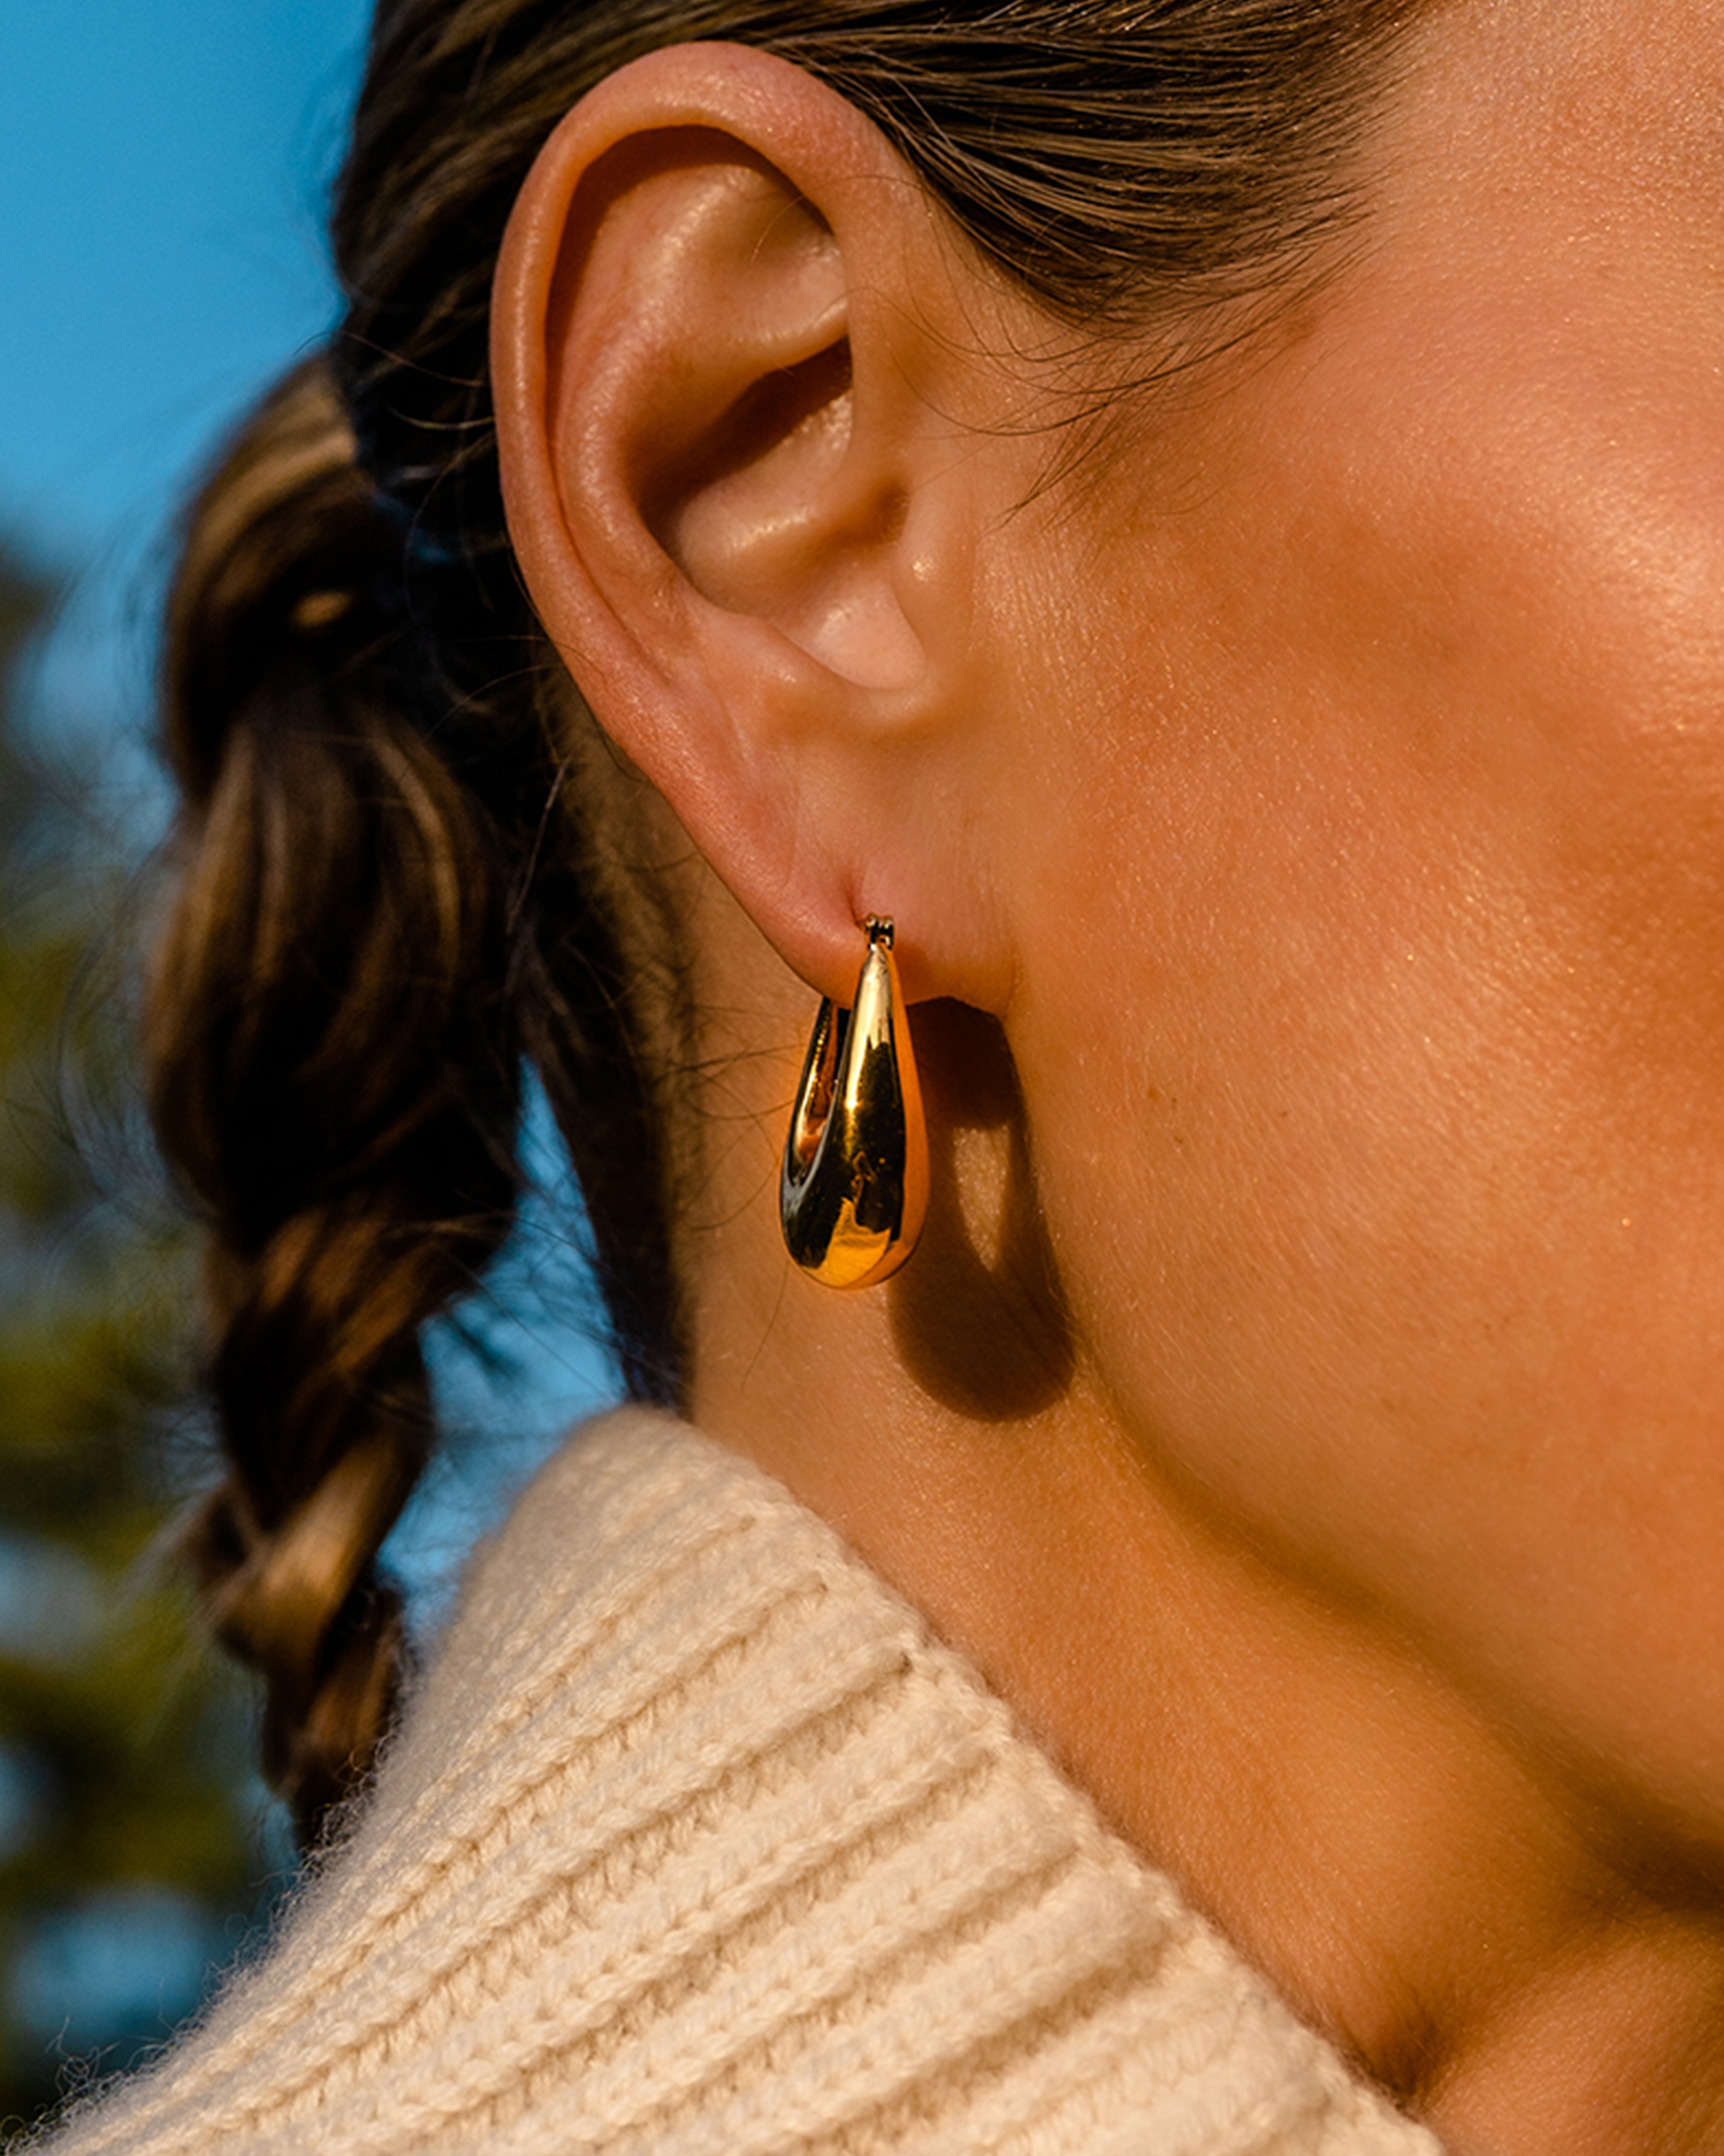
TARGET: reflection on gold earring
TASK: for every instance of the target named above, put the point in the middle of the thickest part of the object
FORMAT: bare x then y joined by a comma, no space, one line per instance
854,1186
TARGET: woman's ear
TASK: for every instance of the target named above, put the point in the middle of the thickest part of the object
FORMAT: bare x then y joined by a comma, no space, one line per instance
735,362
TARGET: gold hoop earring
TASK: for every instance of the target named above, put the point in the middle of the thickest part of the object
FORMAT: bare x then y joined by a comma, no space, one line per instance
854,1186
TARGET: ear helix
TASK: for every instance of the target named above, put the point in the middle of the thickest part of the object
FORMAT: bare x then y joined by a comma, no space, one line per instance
854,1191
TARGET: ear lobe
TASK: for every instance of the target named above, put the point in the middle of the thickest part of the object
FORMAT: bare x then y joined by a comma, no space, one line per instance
711,374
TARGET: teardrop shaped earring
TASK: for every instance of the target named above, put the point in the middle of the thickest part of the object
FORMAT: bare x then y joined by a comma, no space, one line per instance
854,1186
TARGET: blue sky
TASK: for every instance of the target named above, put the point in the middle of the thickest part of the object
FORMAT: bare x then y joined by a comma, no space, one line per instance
162,168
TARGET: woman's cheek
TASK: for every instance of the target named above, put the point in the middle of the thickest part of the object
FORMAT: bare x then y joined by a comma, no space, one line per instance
1380,1098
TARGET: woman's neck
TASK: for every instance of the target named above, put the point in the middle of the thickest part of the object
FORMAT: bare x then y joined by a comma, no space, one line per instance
1479,1923
1475,1929
1449,1916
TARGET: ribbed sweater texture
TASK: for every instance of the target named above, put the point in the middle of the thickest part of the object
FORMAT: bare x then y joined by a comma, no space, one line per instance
694,1843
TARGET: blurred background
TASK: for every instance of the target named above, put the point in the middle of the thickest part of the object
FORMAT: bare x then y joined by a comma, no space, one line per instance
164,169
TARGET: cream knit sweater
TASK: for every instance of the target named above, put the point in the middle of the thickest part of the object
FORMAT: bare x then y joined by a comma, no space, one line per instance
695,1844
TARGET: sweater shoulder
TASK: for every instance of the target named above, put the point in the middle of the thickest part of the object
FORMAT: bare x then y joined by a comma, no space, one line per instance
694,1839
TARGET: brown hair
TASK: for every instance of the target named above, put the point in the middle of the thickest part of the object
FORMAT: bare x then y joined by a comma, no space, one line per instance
387,905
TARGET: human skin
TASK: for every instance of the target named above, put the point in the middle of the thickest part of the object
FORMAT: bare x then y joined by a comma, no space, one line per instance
1308,1404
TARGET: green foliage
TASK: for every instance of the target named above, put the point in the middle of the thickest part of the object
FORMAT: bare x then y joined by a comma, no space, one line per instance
122,1745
